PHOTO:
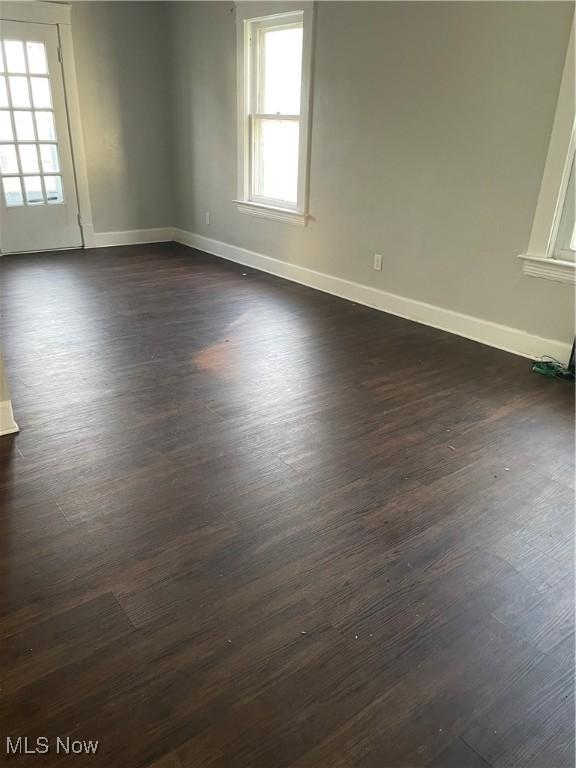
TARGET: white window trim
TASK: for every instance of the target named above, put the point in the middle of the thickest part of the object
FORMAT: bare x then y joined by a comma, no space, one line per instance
539,260
254,12
59,15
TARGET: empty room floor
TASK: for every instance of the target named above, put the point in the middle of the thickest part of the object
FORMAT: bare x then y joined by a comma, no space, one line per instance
250,525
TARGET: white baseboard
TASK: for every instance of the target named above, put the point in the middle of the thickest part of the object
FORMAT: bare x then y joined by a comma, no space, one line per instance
7,424
133,237
484,331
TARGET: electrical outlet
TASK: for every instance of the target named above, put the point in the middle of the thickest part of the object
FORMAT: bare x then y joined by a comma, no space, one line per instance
378,262
207,217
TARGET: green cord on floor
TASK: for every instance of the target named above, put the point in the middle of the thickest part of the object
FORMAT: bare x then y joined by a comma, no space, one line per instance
548,366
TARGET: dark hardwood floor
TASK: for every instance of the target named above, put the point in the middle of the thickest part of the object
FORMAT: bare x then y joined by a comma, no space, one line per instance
251,525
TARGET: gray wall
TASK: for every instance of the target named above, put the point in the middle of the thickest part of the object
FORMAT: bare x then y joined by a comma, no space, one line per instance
122,54
430,128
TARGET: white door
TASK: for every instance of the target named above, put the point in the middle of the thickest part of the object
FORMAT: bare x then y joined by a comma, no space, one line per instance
38,201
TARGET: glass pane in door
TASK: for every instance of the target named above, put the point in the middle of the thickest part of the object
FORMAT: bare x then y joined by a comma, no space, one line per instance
30,169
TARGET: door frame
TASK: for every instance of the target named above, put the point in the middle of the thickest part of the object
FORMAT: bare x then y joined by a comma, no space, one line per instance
60,16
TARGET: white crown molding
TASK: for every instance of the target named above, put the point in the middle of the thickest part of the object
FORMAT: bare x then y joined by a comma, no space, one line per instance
484,331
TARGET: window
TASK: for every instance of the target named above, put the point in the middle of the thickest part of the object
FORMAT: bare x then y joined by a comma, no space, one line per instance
29,162
552,243
565,241
274,76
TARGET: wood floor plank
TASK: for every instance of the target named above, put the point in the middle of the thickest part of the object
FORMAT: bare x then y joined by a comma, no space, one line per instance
548,622
532,723
458,755
63,638
251,525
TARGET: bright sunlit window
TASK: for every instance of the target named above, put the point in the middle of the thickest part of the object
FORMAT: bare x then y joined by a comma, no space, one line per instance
565,243
274,93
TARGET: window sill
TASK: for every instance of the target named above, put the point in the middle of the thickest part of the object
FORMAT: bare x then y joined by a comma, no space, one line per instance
284,215
549,269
